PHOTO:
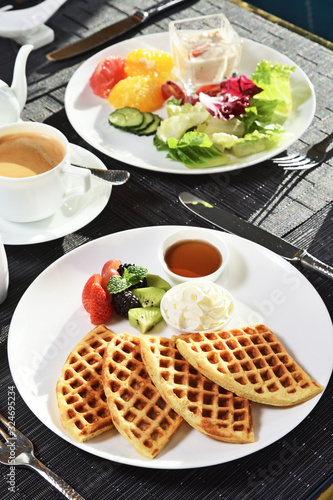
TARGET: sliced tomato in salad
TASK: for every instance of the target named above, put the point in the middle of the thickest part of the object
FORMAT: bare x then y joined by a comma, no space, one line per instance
171,89
106,75
211,90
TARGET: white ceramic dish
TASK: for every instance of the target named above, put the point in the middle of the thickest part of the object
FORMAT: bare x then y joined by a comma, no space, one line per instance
88,113
190,233
16,22
74,214
46,326
27,25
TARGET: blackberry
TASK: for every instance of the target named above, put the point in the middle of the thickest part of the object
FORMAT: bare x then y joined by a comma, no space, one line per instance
122,267
142,283
123,301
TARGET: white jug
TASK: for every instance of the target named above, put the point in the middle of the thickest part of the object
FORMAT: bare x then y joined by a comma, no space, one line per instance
13,99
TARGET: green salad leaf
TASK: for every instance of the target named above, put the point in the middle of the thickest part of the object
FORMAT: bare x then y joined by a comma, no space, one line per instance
196,138
274,79
195,150
256,142
181,119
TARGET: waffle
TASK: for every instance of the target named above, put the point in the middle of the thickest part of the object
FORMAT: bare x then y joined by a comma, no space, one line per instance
207,407
250,362
82,403
137,409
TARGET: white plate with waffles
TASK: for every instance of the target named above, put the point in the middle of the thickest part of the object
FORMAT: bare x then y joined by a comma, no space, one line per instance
50,320
88,113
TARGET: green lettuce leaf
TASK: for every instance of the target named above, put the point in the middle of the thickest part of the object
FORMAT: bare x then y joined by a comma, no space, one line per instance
274,79
180,120
195,150
256,142
259,115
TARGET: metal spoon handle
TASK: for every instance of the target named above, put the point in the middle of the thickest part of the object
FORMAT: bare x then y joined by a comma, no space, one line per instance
116,177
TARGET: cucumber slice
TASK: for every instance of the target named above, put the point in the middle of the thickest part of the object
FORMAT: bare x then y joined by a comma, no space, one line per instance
148,118
126,118
151,129
117,119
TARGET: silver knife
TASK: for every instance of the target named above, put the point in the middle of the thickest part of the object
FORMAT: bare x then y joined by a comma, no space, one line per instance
233,224
111,32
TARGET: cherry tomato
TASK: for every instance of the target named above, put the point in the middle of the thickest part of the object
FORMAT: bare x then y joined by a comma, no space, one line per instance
197,53
212,90
171,89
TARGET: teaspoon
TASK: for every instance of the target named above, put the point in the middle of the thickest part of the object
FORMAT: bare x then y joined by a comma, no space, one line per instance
116,177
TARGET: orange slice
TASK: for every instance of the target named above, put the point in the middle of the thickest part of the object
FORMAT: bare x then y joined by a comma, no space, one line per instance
141,92
149,63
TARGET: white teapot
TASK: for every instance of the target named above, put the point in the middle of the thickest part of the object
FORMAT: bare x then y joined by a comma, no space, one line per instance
13,99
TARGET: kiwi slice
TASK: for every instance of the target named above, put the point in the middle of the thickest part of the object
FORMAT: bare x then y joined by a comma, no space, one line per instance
155,280
143,318
149,296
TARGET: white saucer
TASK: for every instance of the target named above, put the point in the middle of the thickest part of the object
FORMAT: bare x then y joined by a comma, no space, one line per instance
74,213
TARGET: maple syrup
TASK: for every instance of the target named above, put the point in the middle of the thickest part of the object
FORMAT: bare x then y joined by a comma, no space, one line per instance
193,258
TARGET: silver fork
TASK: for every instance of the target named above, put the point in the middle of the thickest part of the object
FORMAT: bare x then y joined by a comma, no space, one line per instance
18,450
307,157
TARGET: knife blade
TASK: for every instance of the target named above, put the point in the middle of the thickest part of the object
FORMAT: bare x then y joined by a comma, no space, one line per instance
235,225
111,32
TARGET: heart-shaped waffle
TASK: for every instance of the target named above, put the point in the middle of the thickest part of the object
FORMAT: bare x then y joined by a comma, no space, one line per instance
251,362
138,411
82,403
207,407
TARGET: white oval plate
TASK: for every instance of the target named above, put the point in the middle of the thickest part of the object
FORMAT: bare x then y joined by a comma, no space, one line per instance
88,113
50,320
75,213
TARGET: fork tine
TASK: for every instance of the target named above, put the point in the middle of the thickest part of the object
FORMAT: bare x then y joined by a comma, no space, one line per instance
4,435
296,159
295,163
283,158
304,167
14,432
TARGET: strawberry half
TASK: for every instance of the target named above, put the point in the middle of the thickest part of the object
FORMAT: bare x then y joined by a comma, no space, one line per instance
86,293
101,308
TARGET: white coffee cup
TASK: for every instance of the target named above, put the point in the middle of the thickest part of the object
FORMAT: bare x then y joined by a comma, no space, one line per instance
28,199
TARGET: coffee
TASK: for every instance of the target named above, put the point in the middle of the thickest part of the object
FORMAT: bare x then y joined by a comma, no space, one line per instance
28,154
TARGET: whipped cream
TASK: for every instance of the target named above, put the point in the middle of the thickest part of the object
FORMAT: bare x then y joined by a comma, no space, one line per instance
197,305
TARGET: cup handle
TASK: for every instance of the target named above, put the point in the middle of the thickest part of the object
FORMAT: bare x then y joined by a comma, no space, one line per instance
84,174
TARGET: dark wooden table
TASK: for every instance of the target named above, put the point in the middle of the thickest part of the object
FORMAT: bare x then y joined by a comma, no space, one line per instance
296,206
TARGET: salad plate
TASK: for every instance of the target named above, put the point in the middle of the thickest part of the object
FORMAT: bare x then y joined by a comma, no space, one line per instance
75,213
46,326
89,113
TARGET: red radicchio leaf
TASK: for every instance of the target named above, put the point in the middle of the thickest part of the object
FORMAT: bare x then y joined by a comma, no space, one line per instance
232,98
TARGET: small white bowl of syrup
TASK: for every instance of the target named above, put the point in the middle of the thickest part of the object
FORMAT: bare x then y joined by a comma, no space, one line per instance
193,253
